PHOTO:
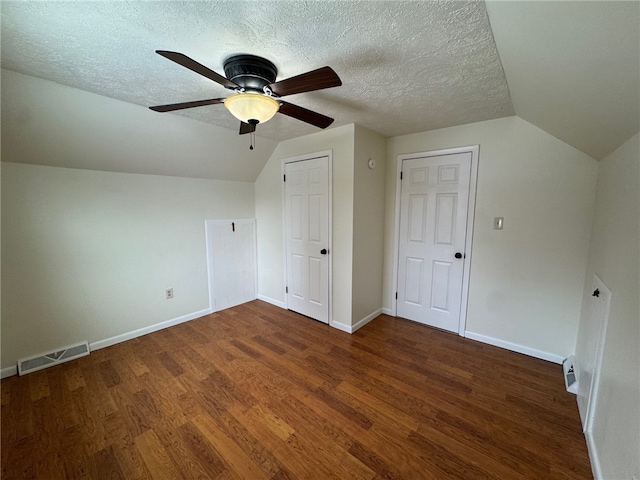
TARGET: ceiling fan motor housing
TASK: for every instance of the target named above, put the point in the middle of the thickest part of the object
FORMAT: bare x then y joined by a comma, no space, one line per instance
250,72
257,94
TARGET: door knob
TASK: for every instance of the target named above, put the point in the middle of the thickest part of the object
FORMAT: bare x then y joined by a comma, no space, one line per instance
458,255
323,251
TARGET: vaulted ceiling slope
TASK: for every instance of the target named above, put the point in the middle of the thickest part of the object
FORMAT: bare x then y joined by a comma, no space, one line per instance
571,67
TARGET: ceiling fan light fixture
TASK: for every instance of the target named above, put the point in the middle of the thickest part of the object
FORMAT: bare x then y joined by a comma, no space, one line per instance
249,107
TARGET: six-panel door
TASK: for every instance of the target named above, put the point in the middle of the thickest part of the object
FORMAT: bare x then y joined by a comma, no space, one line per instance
433,216
307,232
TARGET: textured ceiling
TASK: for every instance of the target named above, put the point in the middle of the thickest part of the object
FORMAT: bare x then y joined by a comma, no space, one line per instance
406,66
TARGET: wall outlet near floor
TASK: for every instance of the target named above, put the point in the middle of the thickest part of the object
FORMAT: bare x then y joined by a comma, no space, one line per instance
169,293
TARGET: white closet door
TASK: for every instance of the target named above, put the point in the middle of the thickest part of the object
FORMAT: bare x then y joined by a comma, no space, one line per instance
433,217
307,237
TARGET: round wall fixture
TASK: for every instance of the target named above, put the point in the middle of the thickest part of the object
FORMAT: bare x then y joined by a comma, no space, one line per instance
372,163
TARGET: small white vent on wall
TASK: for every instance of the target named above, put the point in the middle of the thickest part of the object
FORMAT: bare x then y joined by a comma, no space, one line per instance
39,362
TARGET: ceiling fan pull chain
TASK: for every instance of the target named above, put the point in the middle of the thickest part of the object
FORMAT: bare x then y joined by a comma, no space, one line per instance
252,136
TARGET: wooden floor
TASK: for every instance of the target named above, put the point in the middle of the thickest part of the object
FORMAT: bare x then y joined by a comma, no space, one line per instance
257,392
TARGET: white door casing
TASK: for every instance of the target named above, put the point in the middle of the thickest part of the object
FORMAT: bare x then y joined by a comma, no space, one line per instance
435,205
307,201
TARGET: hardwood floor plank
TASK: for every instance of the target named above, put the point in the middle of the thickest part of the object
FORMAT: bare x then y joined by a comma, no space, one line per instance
279,427
105,465
76,463
74,379
170,364
493,443
201,449
394,449
130,459
330,453
369,458
93,435
131,412
455,463
299,416
235,424
330,415
155,457
109,374
39,385
230,453
380,405
258,392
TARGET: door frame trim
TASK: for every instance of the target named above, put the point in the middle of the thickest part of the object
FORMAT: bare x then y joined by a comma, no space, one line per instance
473,180
283,163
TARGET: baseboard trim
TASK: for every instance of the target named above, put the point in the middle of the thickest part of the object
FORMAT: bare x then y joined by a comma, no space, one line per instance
514,347
9,371
272,301
596,469
359,324
341,326
150,329
388,311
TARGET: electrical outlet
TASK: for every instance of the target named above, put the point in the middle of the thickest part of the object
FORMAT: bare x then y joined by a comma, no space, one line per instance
169,293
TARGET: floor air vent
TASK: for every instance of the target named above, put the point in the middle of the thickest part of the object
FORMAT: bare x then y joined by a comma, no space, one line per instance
34,364
570,379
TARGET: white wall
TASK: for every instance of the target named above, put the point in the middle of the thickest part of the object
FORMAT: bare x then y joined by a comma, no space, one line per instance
87,255
45,123
526,280
268,192
368,224
613,256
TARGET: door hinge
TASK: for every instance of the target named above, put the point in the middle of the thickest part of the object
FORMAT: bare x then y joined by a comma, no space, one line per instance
396,295
286,289
284,178
400,175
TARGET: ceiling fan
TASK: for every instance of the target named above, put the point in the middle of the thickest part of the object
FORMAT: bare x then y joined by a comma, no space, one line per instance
257,94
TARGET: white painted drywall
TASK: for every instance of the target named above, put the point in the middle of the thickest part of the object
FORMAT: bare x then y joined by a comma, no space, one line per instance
613,256
45,123
87,255
268,194
526,280
368,223
573,68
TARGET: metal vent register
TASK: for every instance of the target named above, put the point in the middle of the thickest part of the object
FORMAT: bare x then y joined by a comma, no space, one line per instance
34,364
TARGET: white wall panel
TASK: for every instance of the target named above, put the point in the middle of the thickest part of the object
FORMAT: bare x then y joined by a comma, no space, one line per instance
87,255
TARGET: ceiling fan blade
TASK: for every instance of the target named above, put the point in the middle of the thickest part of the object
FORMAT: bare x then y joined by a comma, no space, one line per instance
308,116
191,64
318,79
247,128
179,106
